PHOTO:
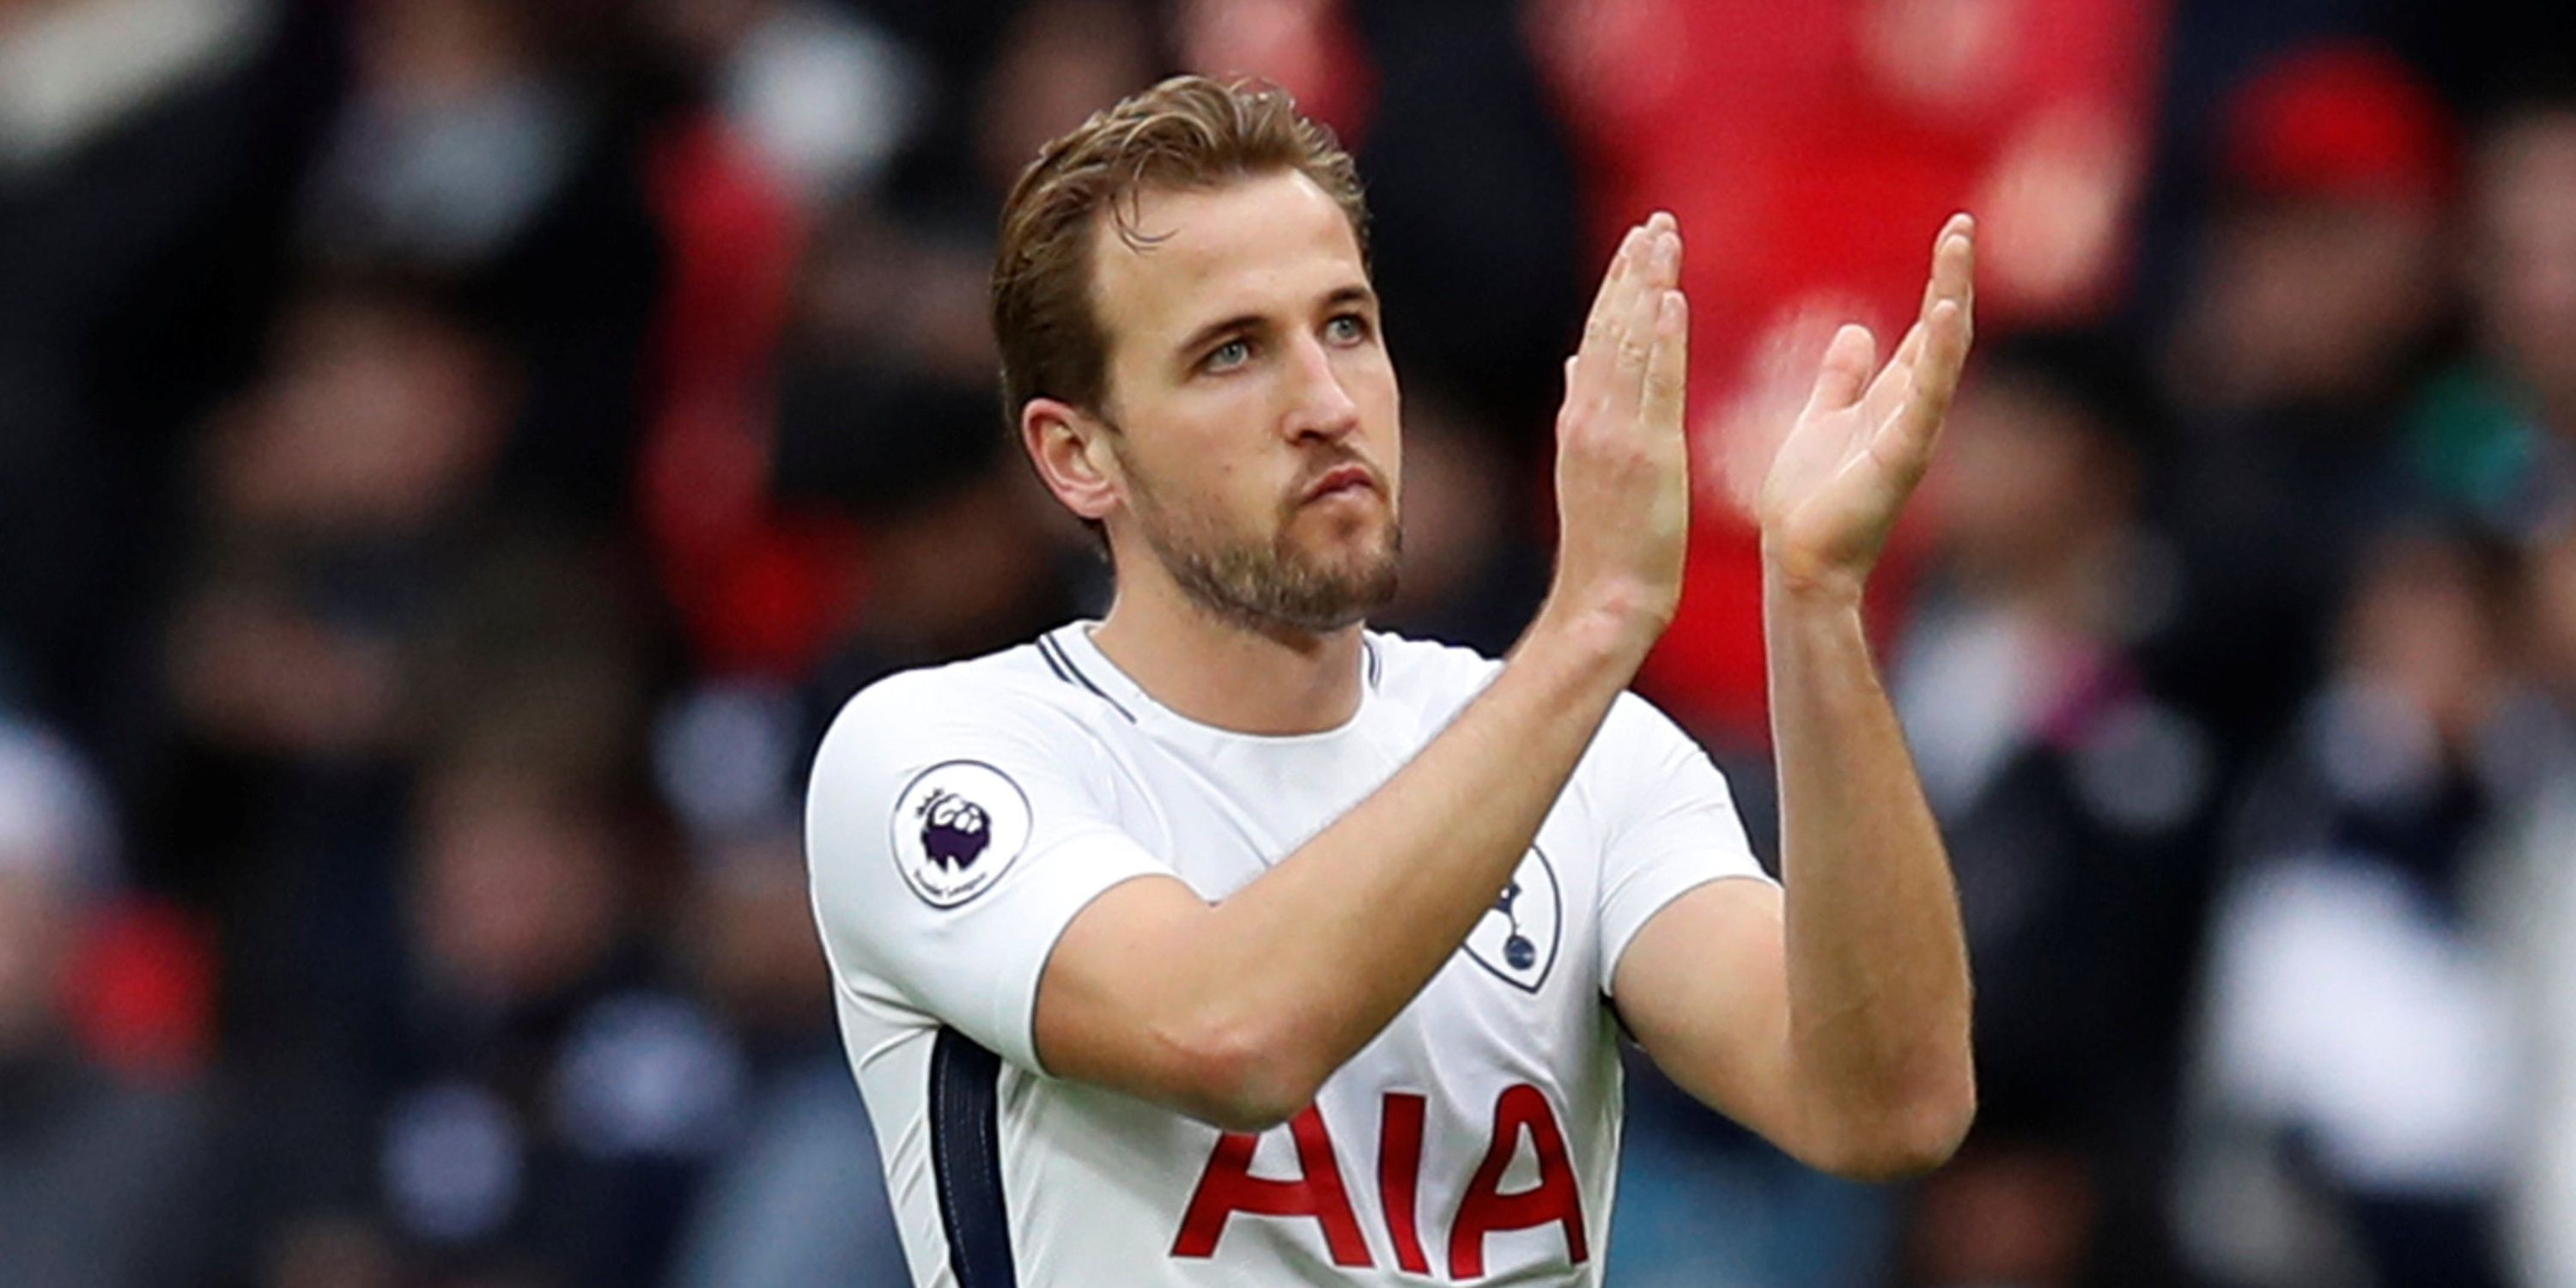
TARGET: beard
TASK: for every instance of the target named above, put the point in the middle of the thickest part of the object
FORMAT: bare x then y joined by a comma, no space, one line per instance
1266,585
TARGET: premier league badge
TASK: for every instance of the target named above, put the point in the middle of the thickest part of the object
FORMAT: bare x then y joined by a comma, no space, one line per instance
956,828
1516,938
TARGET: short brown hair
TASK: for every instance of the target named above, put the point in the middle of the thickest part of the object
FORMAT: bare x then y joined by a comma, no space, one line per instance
1187,132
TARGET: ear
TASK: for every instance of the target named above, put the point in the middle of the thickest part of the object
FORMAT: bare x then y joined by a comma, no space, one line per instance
1071,450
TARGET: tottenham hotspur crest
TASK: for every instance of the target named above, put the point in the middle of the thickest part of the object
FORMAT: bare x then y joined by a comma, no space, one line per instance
1516,938
956,827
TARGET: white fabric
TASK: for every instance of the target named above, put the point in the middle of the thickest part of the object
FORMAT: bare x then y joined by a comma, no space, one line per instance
1059,792
2533,910
55,820
2342,1004
69,71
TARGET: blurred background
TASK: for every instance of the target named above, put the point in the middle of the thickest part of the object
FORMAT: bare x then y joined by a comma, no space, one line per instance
455,455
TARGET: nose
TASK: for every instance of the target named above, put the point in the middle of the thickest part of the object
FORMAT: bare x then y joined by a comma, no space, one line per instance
1319,407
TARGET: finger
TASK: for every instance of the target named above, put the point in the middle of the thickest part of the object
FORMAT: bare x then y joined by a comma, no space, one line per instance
1613,273
1668,367
1951,278
1945,355
1637,334
1954,268
1888,389
1845,371
1664,264
1600,327
1949,323
1894,382
1907,440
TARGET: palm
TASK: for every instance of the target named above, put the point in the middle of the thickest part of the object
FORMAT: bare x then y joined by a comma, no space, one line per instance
1863,441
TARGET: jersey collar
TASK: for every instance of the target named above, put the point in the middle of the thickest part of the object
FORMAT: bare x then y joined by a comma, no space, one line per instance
1068,650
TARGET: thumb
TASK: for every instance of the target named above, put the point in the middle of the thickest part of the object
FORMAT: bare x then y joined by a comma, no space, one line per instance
1845,372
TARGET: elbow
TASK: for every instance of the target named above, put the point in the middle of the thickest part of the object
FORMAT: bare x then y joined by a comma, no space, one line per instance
1250,1115
1914,1138
1246,1077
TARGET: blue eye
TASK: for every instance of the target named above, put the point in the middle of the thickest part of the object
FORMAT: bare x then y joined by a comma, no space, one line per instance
1232,353
1347,328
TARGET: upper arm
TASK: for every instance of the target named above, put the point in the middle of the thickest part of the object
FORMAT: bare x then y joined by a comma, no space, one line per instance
967,857
1113,1011
1694,957
1704,988
951,839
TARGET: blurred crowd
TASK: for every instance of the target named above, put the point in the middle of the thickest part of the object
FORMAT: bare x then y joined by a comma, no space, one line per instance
456,454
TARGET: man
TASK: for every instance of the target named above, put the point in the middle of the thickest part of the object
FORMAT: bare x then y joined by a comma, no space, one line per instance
1223,941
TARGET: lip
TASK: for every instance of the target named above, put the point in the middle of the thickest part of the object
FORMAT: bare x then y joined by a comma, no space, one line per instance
1340,478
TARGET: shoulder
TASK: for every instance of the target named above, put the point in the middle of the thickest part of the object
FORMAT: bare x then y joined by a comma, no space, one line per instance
996,741
1009,693
1006,712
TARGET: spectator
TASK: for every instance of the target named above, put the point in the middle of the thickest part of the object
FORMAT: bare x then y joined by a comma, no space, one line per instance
2360,1059
824,96
337,493
468,150
799,1197
145,150
105,1176
2497,435
2316,296
554,1099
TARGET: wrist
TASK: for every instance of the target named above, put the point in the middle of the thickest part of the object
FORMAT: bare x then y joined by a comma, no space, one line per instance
1594,637
1789,580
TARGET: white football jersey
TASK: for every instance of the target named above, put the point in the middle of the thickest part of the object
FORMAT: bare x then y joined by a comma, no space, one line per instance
960,817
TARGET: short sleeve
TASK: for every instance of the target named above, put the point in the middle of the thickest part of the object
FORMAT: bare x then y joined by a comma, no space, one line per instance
952,834
1671,823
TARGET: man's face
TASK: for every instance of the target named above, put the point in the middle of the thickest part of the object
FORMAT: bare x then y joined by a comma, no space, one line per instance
1254,406
2525,252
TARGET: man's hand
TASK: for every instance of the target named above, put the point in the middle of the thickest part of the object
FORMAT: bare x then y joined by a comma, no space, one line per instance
1623,467
1863,442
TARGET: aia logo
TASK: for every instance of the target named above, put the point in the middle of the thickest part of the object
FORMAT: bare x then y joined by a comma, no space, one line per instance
956,828
1318,1193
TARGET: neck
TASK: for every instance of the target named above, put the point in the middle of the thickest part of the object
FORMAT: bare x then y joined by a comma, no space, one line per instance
1227,674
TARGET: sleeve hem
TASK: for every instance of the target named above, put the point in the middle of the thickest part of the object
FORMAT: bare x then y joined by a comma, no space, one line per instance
1612,953
1069,876
1037,982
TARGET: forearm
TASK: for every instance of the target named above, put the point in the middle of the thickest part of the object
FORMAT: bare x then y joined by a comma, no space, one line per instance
1877,967
1329,945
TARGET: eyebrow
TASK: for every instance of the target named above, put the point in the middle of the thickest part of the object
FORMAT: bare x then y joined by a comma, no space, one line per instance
1353,293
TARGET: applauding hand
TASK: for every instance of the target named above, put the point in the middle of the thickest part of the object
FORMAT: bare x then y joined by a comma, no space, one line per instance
1863,441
